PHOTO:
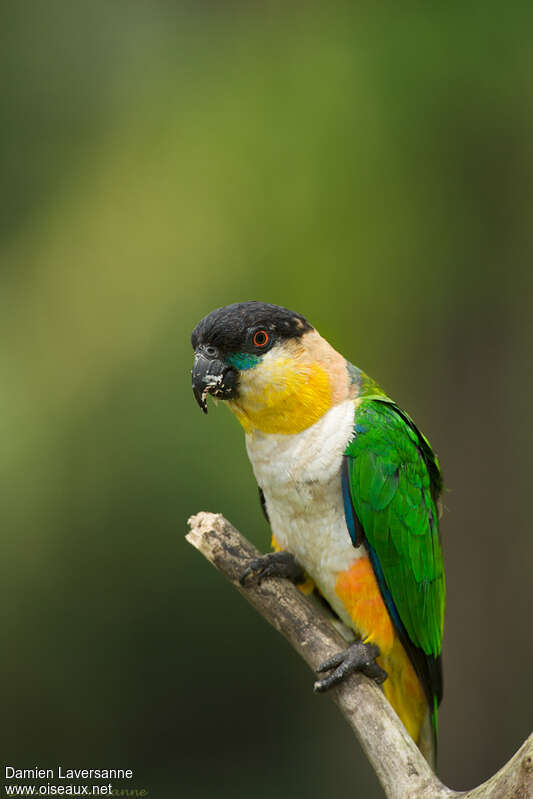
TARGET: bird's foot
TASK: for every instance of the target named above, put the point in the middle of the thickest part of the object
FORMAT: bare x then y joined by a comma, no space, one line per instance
275,564
357,657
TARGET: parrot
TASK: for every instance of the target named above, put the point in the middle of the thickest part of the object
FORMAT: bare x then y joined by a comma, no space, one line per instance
351,489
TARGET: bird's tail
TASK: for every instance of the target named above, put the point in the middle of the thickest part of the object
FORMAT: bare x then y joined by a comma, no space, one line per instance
404,691
427,742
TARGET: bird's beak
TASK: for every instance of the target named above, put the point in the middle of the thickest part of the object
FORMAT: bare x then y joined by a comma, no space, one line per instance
211,375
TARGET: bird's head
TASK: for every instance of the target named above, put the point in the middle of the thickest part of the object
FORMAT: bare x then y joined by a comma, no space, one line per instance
277,374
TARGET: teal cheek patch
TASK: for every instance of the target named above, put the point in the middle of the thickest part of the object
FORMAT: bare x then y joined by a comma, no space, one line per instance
243,360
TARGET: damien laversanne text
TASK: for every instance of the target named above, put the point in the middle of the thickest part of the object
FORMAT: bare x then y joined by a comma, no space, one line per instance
62,773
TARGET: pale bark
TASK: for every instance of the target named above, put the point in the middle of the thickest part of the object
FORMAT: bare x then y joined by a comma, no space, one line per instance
399,765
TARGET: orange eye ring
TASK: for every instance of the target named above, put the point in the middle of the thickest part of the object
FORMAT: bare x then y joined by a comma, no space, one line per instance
261,338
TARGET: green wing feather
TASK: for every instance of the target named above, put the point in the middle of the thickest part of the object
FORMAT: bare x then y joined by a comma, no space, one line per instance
395,481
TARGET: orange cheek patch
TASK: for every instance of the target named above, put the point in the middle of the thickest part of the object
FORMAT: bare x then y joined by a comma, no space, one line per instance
358,590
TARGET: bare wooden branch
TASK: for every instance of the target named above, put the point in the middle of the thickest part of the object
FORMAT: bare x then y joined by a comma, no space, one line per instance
395,758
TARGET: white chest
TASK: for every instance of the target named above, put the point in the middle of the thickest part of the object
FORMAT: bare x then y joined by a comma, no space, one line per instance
300,476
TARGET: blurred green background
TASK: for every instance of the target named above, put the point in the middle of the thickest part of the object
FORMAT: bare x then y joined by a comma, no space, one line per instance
368,165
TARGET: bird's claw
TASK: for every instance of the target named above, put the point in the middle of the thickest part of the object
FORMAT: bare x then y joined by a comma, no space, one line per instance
357,657
275,564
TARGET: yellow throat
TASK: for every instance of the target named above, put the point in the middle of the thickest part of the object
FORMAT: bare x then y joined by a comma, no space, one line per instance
282,394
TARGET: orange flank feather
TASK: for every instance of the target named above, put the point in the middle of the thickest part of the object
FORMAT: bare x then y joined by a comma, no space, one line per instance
360,595
359,592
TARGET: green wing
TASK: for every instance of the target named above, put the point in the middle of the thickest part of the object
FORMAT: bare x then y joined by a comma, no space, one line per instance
394,482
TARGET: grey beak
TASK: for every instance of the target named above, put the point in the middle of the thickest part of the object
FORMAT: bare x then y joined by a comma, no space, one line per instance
211,375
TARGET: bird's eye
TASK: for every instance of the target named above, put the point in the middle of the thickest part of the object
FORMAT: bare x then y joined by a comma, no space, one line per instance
261,338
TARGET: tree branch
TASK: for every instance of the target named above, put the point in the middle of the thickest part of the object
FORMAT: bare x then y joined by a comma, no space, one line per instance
397,761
